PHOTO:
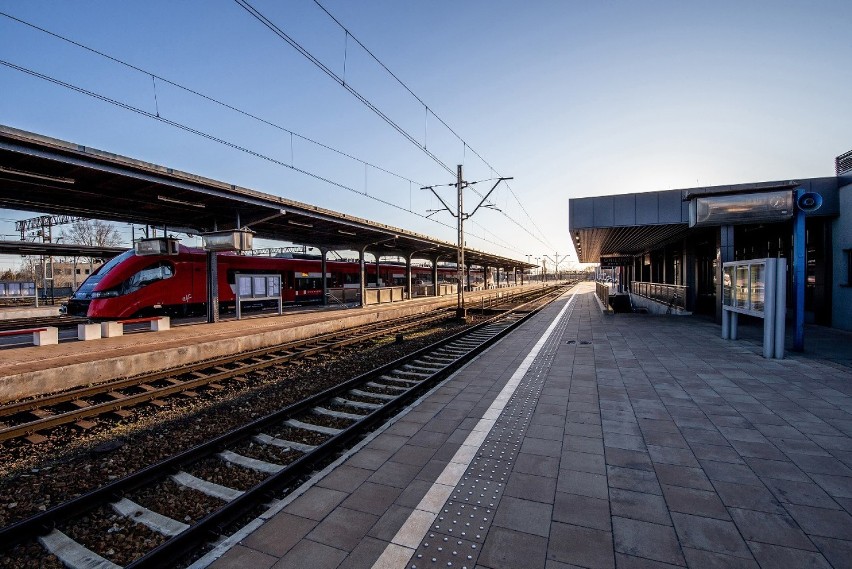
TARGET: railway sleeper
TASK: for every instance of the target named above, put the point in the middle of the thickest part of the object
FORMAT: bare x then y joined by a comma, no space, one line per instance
419,369
140,514
405,373
322,411
282,444
387,386
311,427
249,462
73,554
359,393
408,382
357,404
206,487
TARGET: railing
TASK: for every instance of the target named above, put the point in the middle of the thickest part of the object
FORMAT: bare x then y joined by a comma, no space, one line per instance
672,295
602,291
843,163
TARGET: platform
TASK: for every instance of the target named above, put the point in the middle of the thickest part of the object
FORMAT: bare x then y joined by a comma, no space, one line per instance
590,440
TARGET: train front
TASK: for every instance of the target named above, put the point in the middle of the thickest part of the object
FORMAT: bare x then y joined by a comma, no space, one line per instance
117,289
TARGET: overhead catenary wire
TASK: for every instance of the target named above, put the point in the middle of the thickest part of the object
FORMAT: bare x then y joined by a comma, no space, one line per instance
428,111
219,140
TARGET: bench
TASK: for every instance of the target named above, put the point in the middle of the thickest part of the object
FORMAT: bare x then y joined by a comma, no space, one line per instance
41,336
116,328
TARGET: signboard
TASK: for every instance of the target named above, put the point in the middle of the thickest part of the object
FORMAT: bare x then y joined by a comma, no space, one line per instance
228,241
612,262
757,288
741,208
257,287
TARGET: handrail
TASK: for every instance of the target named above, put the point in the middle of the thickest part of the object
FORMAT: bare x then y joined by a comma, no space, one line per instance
672,295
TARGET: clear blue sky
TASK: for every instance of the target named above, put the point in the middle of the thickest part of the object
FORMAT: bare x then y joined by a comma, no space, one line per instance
571,98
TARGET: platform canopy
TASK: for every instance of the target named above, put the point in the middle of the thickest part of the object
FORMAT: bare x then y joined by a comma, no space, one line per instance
43,174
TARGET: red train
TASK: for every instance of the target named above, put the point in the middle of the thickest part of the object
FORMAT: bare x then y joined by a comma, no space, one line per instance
134,285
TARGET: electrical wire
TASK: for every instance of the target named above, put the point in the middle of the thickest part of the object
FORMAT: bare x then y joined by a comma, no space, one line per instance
429,111
204,96
219,140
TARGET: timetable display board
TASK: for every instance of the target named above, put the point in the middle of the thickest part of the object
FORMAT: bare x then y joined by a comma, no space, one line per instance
744,286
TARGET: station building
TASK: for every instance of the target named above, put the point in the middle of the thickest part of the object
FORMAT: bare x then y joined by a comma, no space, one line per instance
671,244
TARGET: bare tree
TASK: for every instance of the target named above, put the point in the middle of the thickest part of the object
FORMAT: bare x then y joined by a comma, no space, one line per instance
92,232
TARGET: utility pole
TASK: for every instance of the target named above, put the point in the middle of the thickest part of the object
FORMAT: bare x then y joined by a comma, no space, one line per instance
460,216
461,311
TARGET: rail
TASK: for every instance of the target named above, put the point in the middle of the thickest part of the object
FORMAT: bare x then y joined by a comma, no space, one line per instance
672,295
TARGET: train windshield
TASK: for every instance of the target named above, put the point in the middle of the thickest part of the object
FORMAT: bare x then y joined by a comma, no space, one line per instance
89,284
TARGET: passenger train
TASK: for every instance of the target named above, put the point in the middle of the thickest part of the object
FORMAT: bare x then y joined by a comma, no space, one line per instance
132,285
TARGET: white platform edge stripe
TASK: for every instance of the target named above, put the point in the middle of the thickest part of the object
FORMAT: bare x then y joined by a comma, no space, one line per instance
72,554
414,529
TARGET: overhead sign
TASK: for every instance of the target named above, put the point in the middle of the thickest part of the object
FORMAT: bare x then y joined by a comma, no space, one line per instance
741,208
612,262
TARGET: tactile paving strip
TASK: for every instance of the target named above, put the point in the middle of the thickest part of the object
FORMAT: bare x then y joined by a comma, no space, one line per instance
456,537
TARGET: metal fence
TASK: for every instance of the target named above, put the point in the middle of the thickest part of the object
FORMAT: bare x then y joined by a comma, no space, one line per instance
671,295
843,163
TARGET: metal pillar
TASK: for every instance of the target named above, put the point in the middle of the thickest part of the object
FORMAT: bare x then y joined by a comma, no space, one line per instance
212,287
799,275
408,288
324,252
435,276
460,308
362,278
724,254
376,255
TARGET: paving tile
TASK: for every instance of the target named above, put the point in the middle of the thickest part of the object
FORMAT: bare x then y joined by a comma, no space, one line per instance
626,442
415,455
628,459
582,429
672,455
508,548
758,450
365,555
719,453
822,522
784,470
584,462
817,464
390,522
582,483
777,556
684,476
311,554
580,546
537,465
524,515
700,559
639,506
644,539
345,478
370,458
748,497
315,503
770,528
835,486
372,498
581,511
529,487
542,447
729,472
238,557
343,528
621,427
838,552
696,502
583,444
623,561
395,474
552,433
664,439
279,534
803,493
710,535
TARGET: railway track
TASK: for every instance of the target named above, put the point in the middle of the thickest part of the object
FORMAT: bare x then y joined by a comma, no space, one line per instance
262,458
31,418
57,321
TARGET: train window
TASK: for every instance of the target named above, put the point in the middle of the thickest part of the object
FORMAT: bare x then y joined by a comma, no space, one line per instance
153,273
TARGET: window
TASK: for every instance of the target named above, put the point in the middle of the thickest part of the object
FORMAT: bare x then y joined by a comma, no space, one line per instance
153,273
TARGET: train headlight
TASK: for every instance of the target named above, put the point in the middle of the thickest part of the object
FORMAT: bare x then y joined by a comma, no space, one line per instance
105,294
